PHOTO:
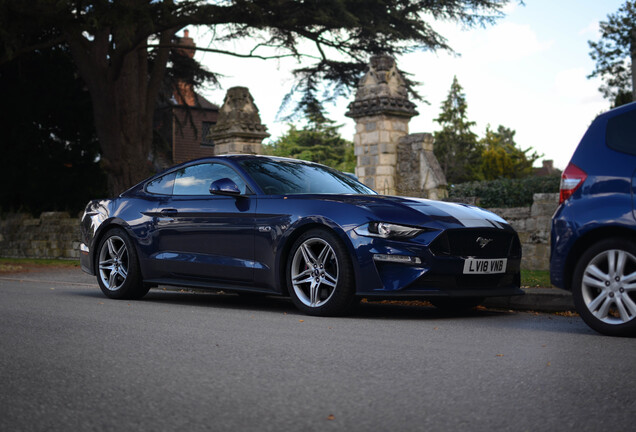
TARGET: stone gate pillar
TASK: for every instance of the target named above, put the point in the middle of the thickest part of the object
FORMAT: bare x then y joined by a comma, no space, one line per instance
238,128
418,171
382,112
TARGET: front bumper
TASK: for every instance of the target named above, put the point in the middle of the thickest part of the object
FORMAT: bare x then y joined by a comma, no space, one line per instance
86,263
433,266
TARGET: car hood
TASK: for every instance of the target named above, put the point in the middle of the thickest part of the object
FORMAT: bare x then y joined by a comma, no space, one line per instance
420,211
456,213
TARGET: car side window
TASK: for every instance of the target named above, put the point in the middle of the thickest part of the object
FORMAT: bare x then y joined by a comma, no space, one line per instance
196,179
621,132
162,185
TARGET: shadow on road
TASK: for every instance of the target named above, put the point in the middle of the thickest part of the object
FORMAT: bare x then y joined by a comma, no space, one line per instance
393,311
274,304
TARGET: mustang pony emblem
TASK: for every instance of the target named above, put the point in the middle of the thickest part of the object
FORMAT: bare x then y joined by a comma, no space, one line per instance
482,242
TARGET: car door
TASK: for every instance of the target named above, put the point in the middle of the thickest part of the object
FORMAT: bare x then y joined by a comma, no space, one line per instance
206,237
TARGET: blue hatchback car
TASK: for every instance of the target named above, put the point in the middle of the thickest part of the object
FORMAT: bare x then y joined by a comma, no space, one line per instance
593,239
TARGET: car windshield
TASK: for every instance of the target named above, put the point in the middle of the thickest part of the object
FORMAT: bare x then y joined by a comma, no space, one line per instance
286,177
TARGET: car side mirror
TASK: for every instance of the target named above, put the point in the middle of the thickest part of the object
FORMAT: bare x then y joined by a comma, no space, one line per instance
224,186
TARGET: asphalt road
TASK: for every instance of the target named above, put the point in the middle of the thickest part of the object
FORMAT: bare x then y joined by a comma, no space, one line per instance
70,359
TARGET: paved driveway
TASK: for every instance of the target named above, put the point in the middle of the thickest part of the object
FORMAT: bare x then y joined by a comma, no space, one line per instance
70,359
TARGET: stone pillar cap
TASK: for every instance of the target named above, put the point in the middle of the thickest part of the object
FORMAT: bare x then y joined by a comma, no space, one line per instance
382,90
238,117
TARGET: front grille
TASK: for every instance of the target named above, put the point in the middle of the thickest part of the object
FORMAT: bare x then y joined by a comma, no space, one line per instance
465,242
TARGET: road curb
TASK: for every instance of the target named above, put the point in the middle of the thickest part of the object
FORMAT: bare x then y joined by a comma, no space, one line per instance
536,299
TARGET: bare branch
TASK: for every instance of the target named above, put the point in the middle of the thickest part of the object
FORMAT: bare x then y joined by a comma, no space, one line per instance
231,53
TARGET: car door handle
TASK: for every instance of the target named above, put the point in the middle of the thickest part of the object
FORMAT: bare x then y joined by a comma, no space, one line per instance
168,212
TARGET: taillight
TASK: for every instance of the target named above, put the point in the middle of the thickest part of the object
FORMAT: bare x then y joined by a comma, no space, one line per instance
571,179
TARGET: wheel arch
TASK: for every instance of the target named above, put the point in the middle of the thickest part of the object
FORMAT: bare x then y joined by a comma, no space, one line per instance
106,226
299,231
584,242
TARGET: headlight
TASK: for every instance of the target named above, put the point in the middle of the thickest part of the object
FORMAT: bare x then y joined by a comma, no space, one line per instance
388,230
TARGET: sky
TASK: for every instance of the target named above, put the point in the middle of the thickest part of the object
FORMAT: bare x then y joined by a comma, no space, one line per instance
528,72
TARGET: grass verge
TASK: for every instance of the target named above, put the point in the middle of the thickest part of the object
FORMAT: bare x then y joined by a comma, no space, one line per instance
12,265
535,278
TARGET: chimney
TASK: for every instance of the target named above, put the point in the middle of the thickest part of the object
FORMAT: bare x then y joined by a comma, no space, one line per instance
187,43
184,93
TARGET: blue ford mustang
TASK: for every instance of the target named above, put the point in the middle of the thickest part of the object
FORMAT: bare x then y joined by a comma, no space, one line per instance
271,225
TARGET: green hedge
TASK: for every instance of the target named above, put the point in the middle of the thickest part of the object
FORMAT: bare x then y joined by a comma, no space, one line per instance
505,192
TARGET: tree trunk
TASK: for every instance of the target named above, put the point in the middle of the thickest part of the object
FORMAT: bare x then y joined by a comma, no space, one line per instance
124,133
123,94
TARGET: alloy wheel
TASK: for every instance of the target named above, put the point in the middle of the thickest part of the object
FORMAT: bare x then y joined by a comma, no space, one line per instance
314,272
608,286
113,263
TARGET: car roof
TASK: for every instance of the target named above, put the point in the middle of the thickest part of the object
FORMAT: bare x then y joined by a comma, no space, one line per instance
619,110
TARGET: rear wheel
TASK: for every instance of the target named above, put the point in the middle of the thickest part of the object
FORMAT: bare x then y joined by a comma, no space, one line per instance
118,273
320,275
604,287
456,304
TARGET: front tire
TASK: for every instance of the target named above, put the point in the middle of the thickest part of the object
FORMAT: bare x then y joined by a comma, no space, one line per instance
604,287
320,275
118,273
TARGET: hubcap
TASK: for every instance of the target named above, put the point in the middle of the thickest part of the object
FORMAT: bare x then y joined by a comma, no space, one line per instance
314,272
113,263
609,286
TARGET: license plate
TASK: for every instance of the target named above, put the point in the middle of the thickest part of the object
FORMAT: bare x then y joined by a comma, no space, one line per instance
485,266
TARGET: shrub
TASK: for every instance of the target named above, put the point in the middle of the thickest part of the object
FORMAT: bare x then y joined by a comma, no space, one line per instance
505,192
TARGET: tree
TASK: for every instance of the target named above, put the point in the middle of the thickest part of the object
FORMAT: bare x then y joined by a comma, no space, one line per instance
50,147
501,158
456,146
615,55
121,48
320,142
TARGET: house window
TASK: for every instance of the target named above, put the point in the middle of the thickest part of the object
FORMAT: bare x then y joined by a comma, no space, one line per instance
205,130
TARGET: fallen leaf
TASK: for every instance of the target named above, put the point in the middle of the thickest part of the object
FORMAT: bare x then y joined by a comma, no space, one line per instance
567,314
548,363
331,417
301,320
435,328
500,355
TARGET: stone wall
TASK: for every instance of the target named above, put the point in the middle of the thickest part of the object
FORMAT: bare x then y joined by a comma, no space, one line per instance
52,235
57,235
533,225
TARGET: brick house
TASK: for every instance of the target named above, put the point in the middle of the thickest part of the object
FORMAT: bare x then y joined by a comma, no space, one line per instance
182,122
